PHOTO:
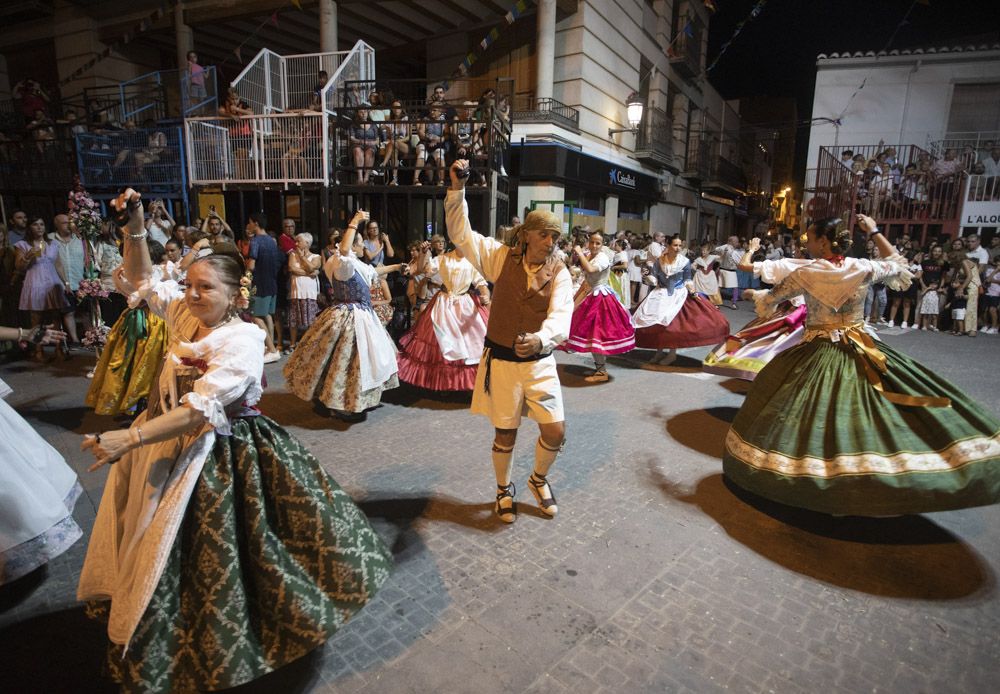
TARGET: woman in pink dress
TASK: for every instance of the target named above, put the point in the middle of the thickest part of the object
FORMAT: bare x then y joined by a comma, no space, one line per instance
601,325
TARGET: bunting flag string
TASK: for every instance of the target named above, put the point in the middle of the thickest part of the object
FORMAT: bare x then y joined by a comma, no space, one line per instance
754,13
518,9
273,19
892,37
127,37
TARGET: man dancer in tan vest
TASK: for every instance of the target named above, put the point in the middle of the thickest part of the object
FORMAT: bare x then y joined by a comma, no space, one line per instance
530,314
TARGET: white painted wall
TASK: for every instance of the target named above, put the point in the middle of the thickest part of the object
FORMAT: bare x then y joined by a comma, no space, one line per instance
906,99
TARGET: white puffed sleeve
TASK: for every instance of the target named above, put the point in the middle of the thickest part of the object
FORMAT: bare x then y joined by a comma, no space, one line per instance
342,267
601,262
235,360
773,271
893,271
158,293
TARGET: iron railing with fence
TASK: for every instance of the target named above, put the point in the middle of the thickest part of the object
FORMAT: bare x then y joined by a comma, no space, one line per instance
273,83
528,109
199,92
418,150
285,148
416,95
971,146
983,188
906,191
152,158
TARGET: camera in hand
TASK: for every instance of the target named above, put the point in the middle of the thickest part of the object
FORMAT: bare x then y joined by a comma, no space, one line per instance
464,172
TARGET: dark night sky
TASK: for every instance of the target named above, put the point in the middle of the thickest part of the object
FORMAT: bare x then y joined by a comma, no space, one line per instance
775,54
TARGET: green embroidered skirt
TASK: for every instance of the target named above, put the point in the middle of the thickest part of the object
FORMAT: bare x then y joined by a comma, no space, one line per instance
272,558
814,433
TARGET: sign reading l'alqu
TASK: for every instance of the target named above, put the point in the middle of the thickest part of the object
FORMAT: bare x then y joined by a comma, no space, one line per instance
982,202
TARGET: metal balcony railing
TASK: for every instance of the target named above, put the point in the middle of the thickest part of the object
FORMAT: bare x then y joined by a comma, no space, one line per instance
726,175
906,191
280,148
653,141
140,159
528,109
685,51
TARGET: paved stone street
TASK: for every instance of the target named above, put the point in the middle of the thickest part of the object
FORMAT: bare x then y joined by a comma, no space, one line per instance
656,576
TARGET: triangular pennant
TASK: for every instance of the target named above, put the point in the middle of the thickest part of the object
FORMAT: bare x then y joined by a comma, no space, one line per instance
297,3
239,56
689,29
274,18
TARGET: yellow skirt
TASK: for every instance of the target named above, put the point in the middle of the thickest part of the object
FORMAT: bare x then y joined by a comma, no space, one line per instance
129,362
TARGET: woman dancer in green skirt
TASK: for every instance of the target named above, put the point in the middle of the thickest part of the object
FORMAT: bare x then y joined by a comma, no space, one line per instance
845,425
221,549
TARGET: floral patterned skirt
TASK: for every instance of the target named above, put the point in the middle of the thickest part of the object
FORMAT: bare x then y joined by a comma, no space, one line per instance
302,313
326,365
272,558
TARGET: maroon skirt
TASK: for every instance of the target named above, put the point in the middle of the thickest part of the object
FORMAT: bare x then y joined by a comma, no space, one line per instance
699,323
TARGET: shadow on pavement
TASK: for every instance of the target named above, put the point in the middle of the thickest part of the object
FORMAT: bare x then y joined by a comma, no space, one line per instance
904,557
737,385
407,395
403,512
702,430
14,593
55,653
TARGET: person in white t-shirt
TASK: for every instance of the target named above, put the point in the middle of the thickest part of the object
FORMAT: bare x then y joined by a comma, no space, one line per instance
160,223
976,252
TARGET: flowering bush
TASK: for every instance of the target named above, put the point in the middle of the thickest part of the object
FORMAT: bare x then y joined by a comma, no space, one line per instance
84,213
91,287
96,336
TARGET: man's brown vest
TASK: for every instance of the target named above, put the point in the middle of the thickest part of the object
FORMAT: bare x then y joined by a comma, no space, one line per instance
516,307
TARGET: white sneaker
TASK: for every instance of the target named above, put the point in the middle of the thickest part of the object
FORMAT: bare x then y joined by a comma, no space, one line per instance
888,324
992,331
984,329
904,325
271,357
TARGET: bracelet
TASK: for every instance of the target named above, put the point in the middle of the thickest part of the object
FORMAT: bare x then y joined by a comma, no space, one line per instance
20,334
138,434
138,237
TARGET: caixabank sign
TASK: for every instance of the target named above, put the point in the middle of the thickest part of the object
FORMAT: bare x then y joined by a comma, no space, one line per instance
548,162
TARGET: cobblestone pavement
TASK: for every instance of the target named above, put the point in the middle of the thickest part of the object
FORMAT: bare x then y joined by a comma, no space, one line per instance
655,576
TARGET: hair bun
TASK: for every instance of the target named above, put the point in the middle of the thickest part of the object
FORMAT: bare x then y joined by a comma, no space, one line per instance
229,250
843,240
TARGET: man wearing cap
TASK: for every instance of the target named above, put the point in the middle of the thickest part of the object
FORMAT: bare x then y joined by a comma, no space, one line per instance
530,315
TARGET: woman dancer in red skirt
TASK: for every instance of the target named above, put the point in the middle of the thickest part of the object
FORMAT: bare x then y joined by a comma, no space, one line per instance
673,315
601,325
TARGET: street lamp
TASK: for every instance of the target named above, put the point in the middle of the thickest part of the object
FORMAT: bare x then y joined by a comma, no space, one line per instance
633,109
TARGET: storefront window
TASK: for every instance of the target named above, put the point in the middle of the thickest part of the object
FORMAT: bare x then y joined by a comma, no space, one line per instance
634,208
